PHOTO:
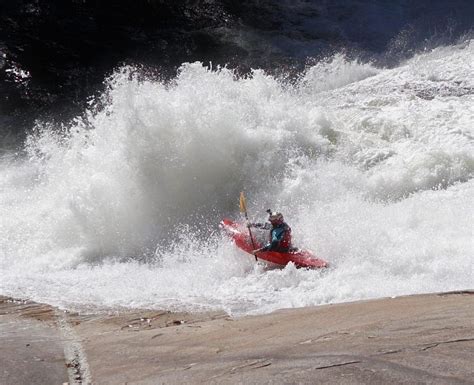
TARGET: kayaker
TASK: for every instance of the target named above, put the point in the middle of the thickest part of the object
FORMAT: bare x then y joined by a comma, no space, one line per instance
280,233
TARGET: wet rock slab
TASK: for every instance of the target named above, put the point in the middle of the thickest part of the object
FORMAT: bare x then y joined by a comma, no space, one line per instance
416,339
31,346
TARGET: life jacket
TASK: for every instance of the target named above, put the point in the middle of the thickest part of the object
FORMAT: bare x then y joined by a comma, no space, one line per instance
285,241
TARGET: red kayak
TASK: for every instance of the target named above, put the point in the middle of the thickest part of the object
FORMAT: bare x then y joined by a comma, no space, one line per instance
301,258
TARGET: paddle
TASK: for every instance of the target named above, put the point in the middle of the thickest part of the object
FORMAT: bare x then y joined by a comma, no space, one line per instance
243,209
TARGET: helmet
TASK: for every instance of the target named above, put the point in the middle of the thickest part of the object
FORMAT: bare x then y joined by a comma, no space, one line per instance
275,217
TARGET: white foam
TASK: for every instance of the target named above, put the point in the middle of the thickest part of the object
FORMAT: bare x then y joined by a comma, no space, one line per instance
372,167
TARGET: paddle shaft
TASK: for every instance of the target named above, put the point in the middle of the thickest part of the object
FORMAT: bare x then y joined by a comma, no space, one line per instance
250,233
243,209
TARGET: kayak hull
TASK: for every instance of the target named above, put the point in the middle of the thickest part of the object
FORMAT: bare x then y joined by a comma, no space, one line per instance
301,258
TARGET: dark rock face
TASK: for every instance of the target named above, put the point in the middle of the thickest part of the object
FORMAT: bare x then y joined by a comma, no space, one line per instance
53,54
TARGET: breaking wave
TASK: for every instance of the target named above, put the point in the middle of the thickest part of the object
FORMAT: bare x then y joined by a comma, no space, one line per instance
372,168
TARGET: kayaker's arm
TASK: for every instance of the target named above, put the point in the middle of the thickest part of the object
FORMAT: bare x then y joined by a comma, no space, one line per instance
277,236
263,226
268,246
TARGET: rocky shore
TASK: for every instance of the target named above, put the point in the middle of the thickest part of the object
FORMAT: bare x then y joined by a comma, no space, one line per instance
415,339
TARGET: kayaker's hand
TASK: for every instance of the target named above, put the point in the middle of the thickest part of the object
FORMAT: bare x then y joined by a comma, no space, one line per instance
255,252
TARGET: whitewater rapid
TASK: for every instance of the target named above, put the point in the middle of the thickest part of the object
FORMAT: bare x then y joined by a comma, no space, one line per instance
373,169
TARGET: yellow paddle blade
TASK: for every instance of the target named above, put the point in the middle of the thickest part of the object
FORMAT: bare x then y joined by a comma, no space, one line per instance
243,204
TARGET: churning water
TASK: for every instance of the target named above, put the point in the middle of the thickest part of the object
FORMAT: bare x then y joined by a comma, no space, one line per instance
373,169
